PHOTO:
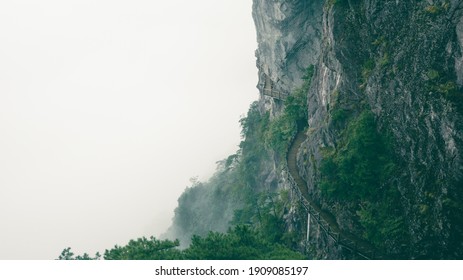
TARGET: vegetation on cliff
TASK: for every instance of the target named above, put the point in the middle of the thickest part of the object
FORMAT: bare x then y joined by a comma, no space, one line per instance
239,243
358,172
385,161
242,190
235,214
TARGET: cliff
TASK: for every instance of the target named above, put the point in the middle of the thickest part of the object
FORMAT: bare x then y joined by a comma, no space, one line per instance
359,124
401,62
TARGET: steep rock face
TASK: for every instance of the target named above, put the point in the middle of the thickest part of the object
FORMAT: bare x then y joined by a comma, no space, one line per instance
289,35
289,38
459,58
401,60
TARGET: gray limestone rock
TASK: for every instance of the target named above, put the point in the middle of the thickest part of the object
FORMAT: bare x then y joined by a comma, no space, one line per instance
404,61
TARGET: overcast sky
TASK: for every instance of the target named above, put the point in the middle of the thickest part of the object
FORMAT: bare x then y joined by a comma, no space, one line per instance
107,109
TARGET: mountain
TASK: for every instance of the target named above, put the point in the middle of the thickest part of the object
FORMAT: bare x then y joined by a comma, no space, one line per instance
359,124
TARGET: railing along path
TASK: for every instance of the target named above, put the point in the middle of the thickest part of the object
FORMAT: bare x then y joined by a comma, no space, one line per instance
323,219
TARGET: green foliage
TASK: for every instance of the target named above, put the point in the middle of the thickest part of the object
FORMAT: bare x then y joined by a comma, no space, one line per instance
273,207
444,85
237,186
432,74
452,208
380,222
280,133
384,60
282,129
209,206
354,171
265,211
67,254
357,173
368,66
253,152
433,9
339,115
240,243
379,41
446,88
145,249
235,192
296,105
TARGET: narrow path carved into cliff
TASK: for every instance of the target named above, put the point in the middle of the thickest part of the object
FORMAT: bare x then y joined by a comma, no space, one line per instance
324,219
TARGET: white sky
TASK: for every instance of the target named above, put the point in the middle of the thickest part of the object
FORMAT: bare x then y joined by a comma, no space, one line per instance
107,108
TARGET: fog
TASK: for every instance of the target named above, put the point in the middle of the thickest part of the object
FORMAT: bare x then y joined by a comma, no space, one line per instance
107,109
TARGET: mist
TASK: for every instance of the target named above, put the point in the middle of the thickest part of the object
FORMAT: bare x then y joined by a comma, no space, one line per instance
107,109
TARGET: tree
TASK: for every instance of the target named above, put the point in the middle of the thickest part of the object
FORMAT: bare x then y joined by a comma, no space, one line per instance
67,254
145,249
239,243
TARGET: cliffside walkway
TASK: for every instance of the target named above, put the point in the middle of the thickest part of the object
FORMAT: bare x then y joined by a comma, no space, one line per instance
325,220
268,87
